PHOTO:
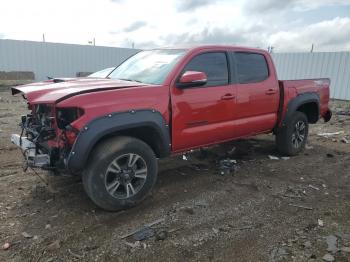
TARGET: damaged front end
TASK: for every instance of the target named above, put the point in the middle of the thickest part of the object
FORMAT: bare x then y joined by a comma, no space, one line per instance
47,136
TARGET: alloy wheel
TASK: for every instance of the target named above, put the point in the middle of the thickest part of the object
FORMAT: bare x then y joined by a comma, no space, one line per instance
125,176
299,134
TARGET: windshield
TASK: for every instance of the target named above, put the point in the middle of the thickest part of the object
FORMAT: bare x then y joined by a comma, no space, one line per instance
102,74
150,67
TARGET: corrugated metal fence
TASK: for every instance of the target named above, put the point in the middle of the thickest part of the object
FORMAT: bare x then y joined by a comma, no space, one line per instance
58,60
65,60
333,65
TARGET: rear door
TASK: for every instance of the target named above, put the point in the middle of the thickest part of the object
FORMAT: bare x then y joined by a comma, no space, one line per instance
257,93
203,115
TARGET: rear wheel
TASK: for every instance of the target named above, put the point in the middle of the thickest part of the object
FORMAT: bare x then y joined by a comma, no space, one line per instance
120,174
292,138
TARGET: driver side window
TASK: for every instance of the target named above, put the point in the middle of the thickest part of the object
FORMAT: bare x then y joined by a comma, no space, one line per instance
213,64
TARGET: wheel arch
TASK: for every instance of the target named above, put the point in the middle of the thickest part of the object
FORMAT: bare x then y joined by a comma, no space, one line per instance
147,125
307,103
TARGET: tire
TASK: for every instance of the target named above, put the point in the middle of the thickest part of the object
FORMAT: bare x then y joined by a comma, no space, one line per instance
116,163
291,141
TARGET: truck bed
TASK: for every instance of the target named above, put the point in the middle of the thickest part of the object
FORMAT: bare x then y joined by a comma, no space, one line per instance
292,88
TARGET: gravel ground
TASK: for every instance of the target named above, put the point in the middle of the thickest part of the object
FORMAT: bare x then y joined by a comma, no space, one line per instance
295,209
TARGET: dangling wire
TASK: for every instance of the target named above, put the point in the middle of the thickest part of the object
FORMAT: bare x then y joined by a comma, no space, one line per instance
42,179
36,173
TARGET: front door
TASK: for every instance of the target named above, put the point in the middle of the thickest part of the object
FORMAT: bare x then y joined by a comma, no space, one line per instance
203,115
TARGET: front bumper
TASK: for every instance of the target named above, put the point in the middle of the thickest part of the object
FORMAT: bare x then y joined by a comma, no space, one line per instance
30,152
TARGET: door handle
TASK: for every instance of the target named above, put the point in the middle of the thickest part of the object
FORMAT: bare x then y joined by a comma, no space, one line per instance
227,97
271,91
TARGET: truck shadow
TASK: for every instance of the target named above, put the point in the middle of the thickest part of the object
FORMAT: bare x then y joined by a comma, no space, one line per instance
66,194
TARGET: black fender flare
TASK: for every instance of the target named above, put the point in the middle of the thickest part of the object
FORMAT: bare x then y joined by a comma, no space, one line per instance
89,136
298,101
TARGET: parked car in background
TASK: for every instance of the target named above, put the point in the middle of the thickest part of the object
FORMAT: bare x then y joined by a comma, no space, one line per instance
102,73
158,103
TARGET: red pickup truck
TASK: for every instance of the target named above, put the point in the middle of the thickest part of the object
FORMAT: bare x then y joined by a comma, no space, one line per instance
157,103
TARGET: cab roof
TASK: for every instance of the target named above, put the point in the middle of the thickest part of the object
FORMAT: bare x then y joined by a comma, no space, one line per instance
193,47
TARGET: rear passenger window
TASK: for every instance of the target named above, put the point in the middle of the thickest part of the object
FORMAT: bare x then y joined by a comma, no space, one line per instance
213,64
251,68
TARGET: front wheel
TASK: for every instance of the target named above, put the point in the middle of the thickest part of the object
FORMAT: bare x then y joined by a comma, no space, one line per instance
291,139
120,173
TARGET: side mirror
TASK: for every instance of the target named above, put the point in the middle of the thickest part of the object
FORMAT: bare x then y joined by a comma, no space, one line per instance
192,79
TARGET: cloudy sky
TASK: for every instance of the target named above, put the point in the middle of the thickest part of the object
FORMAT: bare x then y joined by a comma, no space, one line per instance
287,25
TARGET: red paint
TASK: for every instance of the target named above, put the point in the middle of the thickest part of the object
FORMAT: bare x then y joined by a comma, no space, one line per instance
197,116
192,77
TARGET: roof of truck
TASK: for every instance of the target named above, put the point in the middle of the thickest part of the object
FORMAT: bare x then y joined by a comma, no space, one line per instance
211,46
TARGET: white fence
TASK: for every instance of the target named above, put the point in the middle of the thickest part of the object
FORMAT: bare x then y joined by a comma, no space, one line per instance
58,60
333,65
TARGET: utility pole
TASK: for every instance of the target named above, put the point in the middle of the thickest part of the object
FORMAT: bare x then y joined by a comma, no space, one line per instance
92,42
44,38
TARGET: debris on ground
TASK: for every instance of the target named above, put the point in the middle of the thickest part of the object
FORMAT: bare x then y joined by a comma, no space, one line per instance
26,235
332,244
244,227
328,135
6,246
343,113
201,203
184,157
328,258
54,245
285,157
320,222
314,187
344,140
161,235
276,253
294,192
273,157
227,166
329,155
144,228
75,254
345,249
308,147
133,245
216,231
303,207
143,234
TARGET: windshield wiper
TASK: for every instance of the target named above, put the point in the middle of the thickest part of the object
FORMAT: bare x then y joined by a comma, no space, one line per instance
130,80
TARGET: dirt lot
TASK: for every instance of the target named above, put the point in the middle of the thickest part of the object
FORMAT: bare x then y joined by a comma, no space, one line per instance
267,210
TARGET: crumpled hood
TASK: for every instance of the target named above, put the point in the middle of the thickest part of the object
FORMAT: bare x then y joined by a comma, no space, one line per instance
53,91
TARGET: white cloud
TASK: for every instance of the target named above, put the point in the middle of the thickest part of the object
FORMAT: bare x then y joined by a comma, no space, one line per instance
332,35
162,23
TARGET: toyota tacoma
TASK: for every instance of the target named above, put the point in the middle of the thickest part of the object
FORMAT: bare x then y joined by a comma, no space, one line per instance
158,103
